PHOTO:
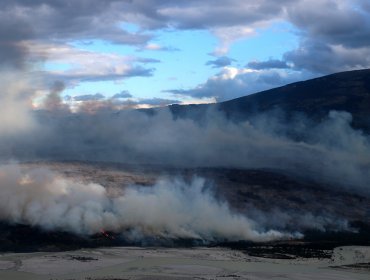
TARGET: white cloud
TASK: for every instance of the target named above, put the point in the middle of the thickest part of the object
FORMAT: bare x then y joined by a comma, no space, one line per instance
88,65
229,35
153,47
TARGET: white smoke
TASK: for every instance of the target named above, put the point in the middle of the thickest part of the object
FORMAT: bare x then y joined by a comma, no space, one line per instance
168,209
15,104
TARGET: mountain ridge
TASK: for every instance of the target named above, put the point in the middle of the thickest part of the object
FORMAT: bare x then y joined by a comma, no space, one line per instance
344,91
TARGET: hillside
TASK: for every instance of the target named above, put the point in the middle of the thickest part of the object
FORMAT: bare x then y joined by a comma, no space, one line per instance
345,91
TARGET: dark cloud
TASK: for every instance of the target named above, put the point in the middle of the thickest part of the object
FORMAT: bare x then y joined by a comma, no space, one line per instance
220,62
185,14
321,58
333,22
86,20
89,97
122,94
269,64
335,36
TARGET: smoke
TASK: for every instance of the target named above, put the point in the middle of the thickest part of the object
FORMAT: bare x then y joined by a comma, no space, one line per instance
330,152
53,101
15,103
168,209
289,220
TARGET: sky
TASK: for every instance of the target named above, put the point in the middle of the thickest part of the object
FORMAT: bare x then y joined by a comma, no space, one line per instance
145,53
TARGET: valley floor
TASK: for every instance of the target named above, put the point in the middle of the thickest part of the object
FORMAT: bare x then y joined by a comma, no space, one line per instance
350,262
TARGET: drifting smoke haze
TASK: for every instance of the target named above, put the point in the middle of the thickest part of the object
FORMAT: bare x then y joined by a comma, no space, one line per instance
331,151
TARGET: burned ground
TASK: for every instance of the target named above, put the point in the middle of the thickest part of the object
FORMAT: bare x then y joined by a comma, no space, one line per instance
280,201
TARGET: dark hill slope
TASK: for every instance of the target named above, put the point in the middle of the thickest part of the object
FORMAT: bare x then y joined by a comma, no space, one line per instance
345,91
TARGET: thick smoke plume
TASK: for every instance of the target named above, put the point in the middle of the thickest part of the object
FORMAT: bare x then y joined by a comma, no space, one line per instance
168,209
